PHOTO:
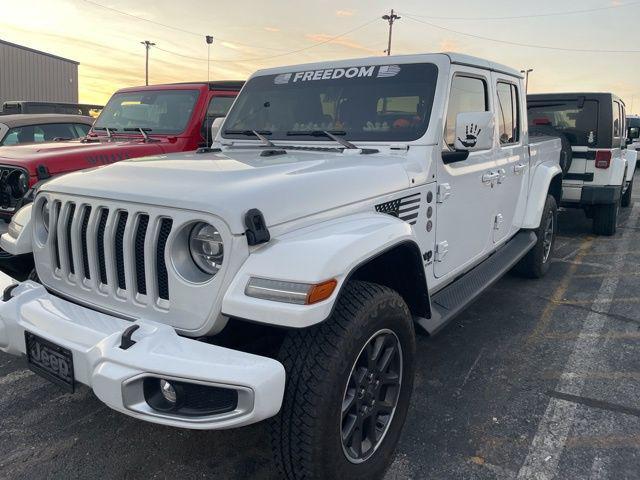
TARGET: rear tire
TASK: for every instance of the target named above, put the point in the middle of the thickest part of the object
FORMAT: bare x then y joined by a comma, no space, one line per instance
535,264
326,378
605,219
626,196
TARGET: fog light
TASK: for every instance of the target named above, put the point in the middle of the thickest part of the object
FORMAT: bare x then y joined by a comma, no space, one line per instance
168,391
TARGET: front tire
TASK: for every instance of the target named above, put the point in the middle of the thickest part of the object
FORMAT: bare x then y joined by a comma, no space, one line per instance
535,264
349,382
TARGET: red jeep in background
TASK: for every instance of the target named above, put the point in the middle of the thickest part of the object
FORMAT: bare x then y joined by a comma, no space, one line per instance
136,122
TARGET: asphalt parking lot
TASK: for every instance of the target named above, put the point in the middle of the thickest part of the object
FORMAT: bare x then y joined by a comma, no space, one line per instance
537,380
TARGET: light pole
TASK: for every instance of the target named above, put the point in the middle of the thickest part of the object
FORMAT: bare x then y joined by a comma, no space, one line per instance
209,39
147,45
392,17
526,79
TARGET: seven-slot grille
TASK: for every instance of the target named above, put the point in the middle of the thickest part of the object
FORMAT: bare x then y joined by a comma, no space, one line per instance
111,249
404,208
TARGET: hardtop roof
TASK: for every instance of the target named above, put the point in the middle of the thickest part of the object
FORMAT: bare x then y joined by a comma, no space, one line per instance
22,119
455,58
574,95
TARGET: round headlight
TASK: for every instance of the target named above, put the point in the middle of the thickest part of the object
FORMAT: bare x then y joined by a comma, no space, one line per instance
206,247
19,183
44,214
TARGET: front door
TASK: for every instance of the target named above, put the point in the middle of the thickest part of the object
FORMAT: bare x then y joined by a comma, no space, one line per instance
512,158
465,200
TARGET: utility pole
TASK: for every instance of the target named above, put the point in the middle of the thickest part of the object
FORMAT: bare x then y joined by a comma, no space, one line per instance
147,45
526,79
392,17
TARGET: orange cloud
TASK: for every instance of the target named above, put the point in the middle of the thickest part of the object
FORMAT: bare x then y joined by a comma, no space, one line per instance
345,13
344,42
272,29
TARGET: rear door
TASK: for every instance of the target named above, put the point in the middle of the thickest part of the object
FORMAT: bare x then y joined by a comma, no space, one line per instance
465,204
512,158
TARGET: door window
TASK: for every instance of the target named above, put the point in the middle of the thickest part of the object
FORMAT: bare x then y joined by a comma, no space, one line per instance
468,94
617,122
219,106
508,113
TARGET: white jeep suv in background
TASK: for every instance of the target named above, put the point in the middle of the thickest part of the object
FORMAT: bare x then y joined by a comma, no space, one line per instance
598,173
283,274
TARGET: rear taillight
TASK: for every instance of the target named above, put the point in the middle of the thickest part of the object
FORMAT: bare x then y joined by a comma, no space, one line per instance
603,159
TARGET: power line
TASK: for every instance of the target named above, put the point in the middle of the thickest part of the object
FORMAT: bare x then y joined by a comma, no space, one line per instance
177,29
532,15
323,42
517,44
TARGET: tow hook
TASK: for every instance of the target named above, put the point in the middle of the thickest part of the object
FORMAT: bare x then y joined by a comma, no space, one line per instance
125,341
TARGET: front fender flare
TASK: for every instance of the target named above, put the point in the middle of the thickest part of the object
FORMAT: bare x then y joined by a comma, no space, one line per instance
313,254
541,179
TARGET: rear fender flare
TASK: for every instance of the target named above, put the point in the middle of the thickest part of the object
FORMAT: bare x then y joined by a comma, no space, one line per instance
546,180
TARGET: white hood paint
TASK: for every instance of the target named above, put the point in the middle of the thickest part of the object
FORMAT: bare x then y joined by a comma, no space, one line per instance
284,187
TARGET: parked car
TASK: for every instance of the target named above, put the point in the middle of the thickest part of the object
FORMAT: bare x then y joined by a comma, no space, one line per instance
20,106
633,132
599,178
136,122
282,272
39,128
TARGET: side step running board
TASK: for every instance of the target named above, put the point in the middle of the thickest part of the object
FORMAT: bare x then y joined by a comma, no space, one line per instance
454,298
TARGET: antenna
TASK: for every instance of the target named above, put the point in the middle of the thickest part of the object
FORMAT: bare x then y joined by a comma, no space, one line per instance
209,39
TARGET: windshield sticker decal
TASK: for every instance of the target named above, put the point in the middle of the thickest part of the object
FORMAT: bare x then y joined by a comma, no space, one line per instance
384,71
282,78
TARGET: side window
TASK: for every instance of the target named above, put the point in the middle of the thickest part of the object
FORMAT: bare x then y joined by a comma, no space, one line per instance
219,106
53,131
468,94
508,113
617,123
81,129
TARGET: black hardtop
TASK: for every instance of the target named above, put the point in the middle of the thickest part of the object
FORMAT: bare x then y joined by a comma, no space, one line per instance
604,137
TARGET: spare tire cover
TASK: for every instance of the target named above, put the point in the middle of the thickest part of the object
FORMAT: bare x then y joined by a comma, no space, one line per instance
566,154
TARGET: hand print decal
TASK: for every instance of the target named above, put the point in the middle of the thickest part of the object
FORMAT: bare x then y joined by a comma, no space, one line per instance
471,135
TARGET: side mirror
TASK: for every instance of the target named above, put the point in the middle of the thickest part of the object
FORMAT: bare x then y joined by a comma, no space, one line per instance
215,127
634,133
474,131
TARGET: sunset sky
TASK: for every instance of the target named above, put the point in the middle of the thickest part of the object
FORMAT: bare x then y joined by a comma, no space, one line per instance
254,34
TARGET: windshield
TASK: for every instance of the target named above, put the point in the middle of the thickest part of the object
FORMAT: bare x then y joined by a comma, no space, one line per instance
369,103
633,122
577,121
162,111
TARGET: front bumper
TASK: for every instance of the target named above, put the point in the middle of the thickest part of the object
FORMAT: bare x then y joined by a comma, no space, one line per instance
114,374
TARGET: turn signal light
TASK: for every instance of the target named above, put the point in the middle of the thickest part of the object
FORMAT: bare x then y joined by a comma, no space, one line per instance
289,292
321,291
603,159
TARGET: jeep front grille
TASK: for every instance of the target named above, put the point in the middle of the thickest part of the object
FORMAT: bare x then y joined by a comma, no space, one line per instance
112,246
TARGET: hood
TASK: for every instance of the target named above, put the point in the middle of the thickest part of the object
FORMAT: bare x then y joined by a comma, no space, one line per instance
74,155
284,187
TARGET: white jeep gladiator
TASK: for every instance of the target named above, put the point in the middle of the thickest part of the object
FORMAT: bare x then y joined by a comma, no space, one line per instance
281,274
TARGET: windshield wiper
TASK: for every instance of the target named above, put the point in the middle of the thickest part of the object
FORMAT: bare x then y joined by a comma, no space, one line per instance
259,134
143,131
106,129
332,134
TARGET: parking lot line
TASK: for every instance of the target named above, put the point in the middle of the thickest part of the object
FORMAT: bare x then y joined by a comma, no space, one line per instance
547,446
559,292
